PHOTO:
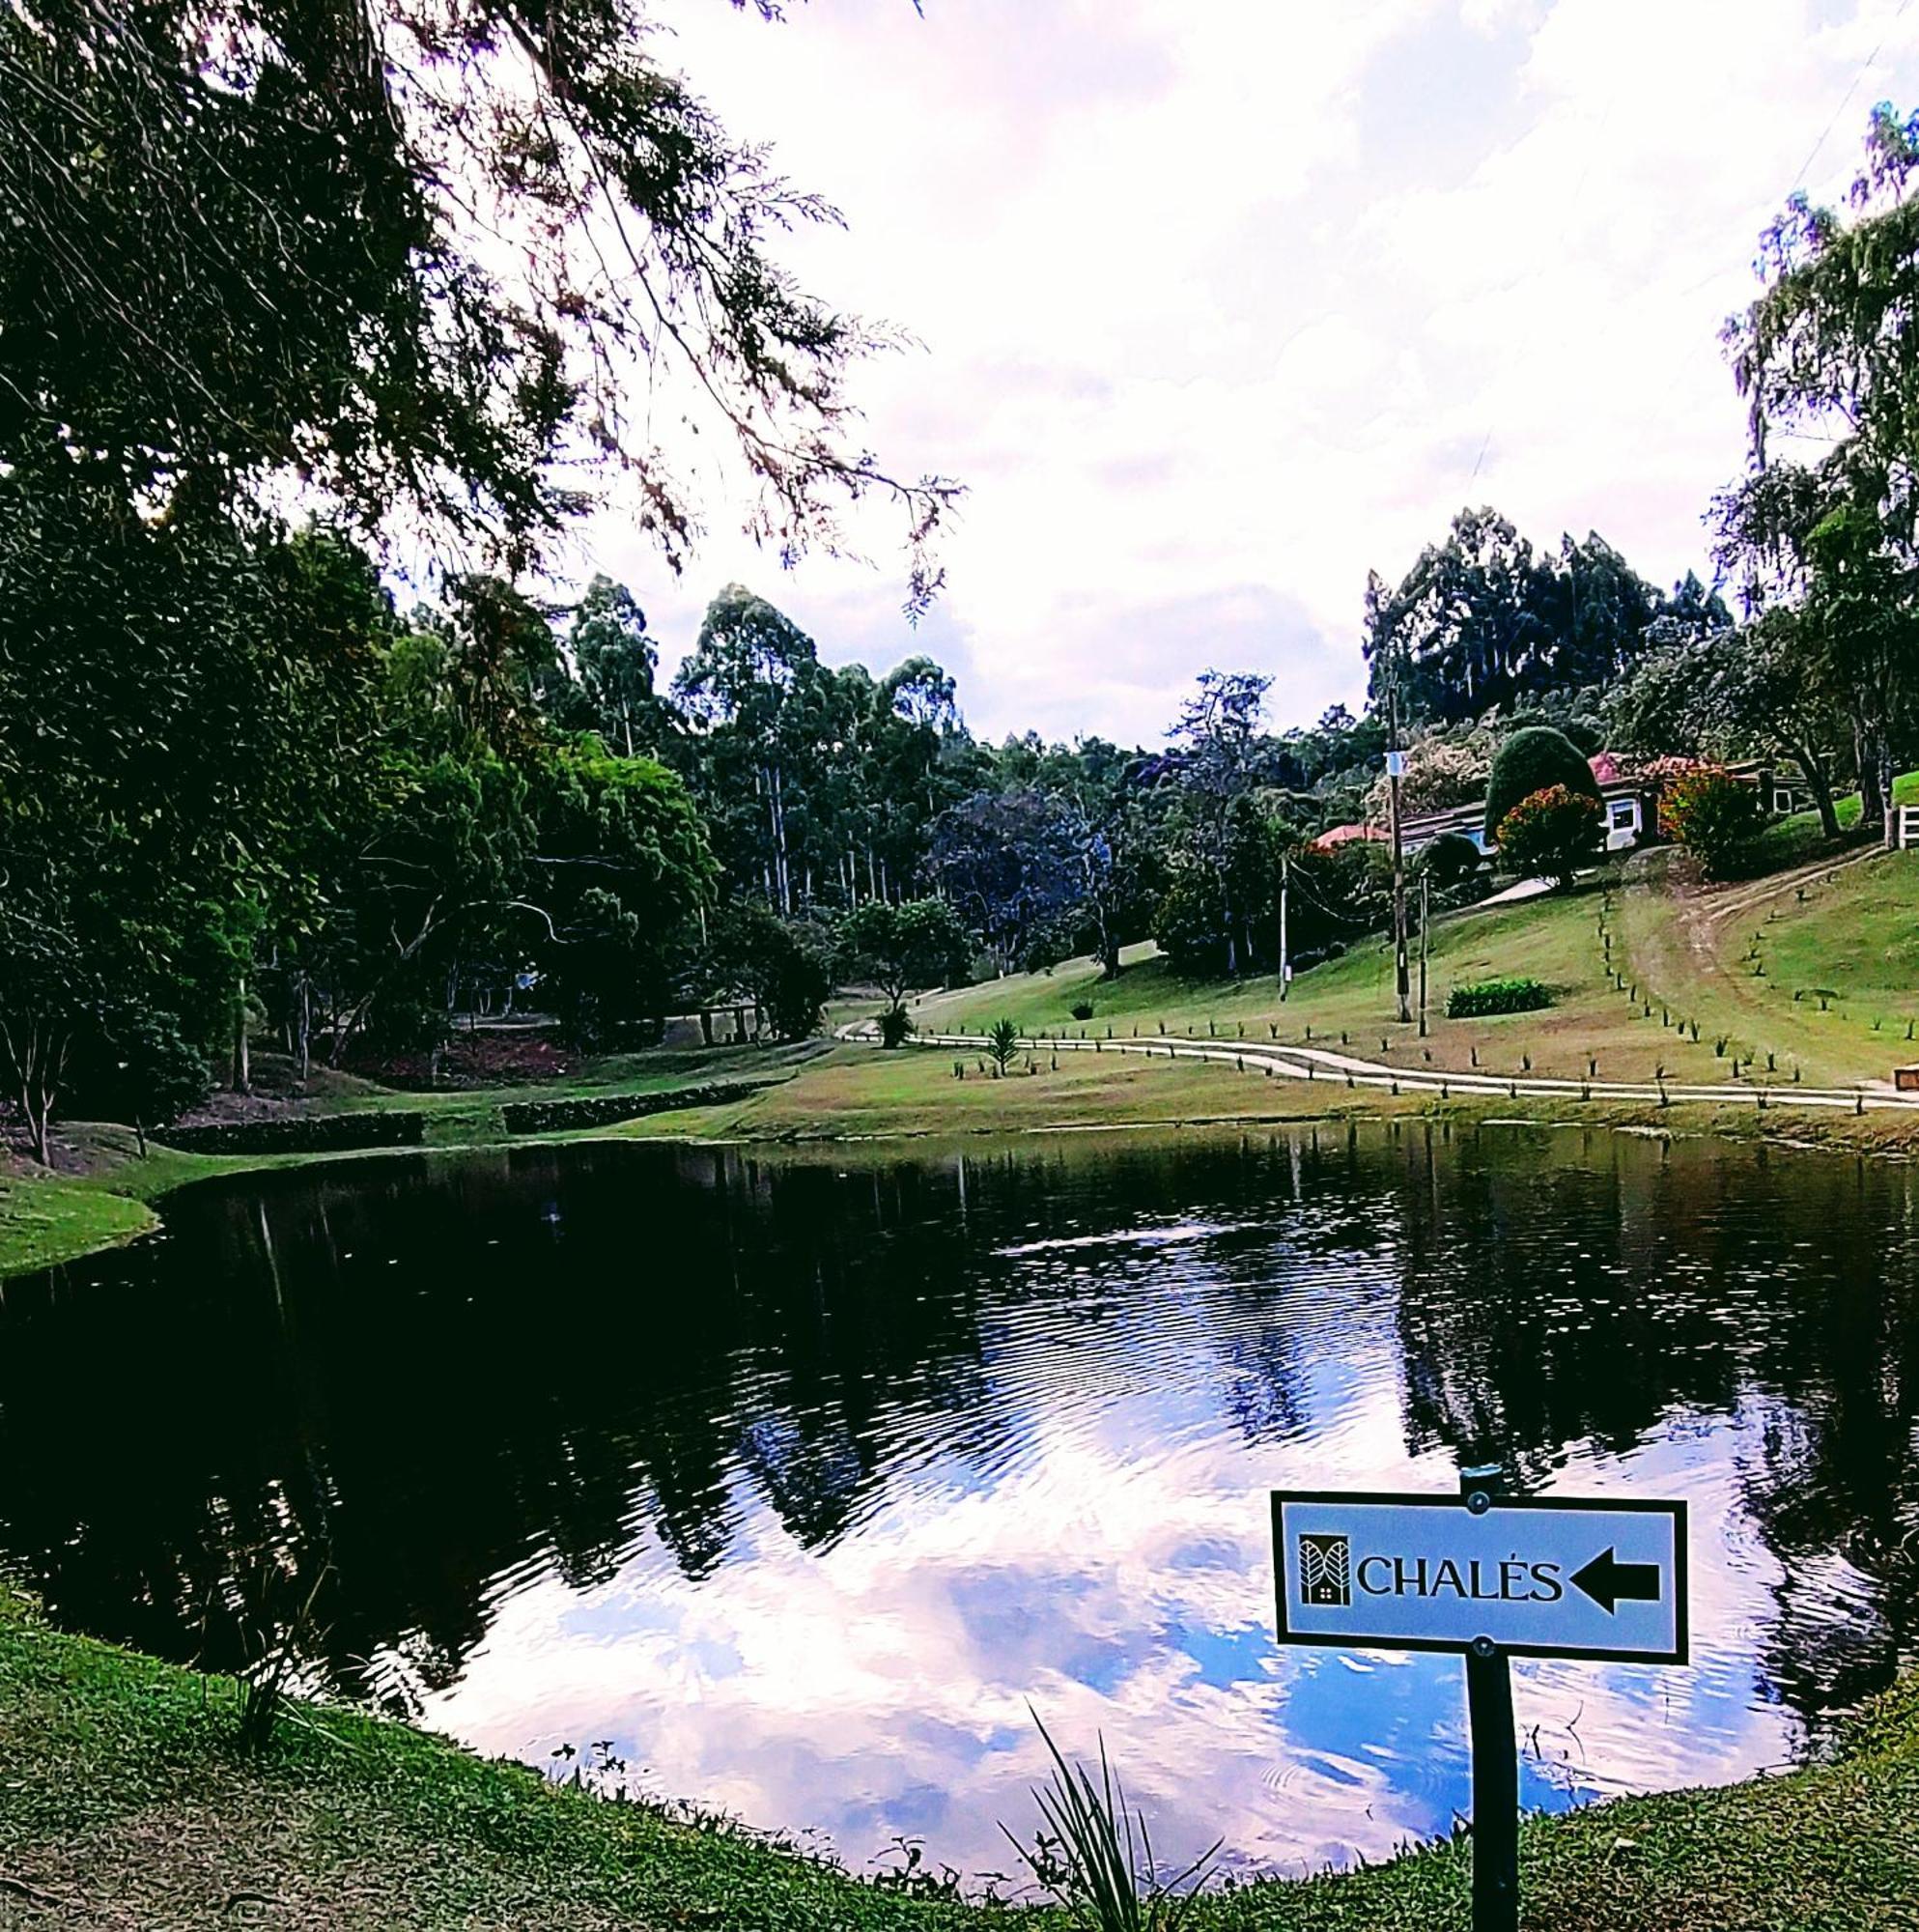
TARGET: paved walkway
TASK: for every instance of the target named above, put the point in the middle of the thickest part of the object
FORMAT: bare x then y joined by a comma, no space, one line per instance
1315,1063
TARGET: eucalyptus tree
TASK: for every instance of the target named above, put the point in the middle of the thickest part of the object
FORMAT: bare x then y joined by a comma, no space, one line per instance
616,661
1825,354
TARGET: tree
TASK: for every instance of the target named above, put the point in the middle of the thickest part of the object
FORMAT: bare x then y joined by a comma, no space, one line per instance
619,871
412,256
745,687
1550,833
1481,622
1012,863
138,1067
1734,692
615,661
1533,760
1216,758
1713,815
916,944
1824,353
1441,772
783,966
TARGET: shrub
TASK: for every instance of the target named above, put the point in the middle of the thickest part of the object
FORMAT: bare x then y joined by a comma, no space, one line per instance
896,1023
1497,996
1551,834
138,1067
1713,815
1083,1010
321,1133
1535,759
793,981
1451,860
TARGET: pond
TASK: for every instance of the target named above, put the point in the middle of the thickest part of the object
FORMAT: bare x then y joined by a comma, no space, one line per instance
791,1483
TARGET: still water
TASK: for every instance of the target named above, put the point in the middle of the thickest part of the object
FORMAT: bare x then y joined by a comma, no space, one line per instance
794,1481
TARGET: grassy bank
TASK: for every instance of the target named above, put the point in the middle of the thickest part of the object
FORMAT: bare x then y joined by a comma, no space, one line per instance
124,1803
105,1187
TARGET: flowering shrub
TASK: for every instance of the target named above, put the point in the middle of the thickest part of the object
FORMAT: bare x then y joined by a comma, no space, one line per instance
1550,833
1712,814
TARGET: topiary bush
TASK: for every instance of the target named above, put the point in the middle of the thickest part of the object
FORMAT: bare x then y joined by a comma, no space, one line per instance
1550,833
1497,996
1535,759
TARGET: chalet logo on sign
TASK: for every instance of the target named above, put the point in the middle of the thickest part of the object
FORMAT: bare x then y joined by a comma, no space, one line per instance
1325,1571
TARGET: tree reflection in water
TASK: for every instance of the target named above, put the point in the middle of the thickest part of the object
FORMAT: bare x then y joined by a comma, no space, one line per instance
451,1381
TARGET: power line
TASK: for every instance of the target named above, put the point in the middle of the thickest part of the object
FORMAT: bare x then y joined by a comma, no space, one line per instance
1845,100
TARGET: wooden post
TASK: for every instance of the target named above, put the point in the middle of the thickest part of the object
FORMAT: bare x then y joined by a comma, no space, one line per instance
1426,915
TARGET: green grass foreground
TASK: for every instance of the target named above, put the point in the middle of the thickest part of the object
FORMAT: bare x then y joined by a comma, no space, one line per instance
124,1803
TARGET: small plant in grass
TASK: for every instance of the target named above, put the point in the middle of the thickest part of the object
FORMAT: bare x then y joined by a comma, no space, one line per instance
1095,1857
1497,996
1003,1042
269,1609
1083,1010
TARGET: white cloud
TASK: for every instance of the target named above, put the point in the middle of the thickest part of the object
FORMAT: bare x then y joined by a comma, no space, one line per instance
1223,306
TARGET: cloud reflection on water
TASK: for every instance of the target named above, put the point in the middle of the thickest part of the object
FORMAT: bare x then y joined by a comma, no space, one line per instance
798,1480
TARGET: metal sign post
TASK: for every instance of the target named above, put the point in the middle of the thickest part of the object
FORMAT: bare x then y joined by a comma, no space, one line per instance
1495,1756
1489,1576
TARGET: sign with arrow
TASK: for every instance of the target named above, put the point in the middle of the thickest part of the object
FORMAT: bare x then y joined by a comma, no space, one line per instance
1531,1575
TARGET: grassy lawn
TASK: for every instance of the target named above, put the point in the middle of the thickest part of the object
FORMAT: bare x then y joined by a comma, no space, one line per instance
124,1803
1555,939
44,1221
1850,931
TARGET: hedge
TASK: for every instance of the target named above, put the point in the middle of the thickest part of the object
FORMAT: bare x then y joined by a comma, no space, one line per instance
603,1110
312,1133
1497,996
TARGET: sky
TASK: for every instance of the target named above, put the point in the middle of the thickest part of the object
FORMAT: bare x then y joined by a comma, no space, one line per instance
1220,303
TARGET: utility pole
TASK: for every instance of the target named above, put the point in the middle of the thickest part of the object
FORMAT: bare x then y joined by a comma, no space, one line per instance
1425,914
1286,885
1395,764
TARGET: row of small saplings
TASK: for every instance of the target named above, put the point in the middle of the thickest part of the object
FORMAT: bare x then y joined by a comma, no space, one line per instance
1004,1046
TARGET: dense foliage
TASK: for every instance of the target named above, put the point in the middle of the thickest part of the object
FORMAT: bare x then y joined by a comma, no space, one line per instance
1532,760
1550,833
1497,996
283,284
1713,815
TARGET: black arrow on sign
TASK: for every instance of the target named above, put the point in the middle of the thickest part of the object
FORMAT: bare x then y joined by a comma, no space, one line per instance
1609,1581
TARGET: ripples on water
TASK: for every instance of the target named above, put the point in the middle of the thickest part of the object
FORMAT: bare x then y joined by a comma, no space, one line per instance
795,1482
